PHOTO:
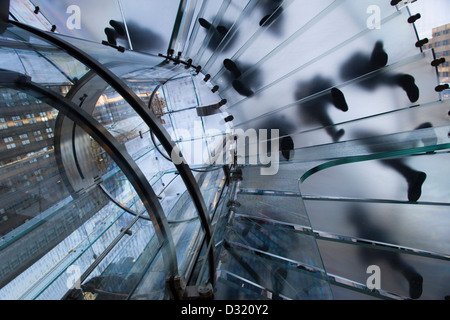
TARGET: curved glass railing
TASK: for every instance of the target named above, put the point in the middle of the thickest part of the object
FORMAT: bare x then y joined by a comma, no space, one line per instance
83,166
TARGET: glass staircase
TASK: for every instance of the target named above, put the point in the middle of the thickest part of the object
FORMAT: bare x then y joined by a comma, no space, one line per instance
358,204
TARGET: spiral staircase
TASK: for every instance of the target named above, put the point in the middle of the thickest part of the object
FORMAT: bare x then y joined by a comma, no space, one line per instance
143,190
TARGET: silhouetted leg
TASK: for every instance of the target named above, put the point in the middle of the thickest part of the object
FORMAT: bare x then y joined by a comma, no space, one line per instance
241,88
204,23
404,81
415,179
118,26
324,119
428,141
379,57
415,280
338,99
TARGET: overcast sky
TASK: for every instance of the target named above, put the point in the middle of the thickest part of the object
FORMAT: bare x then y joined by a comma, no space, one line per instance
434,14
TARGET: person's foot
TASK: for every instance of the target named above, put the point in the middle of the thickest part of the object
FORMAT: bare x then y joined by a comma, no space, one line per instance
379,57
415,183
204,23
415,284
338,135
118,27
232,67
287,147
338,99
241,88
268,19
111,35
222,30
407,83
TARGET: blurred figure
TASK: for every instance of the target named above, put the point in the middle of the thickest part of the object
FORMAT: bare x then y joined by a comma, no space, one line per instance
361,64
272,14
242,86
414,178
142,39
217,33
257,236
369,230
286,144
315,109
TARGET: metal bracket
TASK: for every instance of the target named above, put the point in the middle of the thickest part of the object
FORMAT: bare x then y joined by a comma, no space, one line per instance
201,292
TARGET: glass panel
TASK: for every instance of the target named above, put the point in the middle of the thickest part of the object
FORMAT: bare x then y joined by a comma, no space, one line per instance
205,33
43,62
51,235
150,23
385,179
400,224
278,279
266,204
299,103
227,27
406,275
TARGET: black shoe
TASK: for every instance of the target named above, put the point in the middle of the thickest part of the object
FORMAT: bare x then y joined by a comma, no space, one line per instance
338,135
232,67
222,30
118,27
415,186
408,84
111,35
204,23
287,147
271,17
379,57
241,88
338,99
415,286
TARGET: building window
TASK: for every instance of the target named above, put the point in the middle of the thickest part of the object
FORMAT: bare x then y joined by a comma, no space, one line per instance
8,139
11,146
437,43
23,136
